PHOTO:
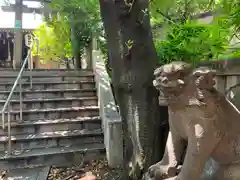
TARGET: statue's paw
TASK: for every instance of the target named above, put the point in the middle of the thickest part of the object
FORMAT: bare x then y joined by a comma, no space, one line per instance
158,170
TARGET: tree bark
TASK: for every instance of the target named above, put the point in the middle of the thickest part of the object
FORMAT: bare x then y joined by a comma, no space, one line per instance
77,60
133,60
89,49
75,44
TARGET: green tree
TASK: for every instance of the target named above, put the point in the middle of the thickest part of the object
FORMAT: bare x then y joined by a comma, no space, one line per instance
83,20
49,46
166,11
133,59
193,42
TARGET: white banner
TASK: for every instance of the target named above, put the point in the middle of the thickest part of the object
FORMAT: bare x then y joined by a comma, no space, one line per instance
28,40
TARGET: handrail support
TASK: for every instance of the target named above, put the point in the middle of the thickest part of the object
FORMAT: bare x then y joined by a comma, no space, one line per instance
8,101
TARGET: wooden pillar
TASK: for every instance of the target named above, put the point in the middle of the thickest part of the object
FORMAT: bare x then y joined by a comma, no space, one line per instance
18,34
9,60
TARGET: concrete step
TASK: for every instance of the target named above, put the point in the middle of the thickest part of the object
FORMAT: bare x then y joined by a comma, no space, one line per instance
28,104
54,113
52,156
29,173
50,93
47,79
7,86
21,143
46,72
50,125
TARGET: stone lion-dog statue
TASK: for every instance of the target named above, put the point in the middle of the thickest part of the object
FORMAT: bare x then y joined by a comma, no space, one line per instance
203,125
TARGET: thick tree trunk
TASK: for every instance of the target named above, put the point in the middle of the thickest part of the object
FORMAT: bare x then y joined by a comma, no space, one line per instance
75,45
109,71
89,49
78,60
133,59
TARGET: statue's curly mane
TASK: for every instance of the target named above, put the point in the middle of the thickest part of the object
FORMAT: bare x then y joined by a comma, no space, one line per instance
184,83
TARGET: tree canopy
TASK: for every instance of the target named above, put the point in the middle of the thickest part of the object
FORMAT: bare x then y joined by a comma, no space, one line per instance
49,38
73,25
76,22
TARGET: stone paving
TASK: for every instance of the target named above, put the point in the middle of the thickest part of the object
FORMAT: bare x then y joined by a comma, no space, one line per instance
37,173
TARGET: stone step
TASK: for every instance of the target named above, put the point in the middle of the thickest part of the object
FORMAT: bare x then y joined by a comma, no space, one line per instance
28,104
45,73
53,156
50,93
56,113
29,173
50,125
21,143
11,80
7,86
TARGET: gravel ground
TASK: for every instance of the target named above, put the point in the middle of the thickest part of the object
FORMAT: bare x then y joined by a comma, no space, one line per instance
98,168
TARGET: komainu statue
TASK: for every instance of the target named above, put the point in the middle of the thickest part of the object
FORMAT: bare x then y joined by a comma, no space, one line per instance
203,124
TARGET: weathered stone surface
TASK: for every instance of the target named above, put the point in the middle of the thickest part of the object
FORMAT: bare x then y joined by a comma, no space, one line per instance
52,103
52,138
233,94
57,156
61,122
111,120
201,119
36,173
56,93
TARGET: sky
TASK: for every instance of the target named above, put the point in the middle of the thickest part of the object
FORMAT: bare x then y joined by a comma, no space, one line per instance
30,21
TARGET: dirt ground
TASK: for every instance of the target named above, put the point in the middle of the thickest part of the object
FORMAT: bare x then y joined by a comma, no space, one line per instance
98,168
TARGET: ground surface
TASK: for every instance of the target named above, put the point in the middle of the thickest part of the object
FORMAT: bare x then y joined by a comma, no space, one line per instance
98,168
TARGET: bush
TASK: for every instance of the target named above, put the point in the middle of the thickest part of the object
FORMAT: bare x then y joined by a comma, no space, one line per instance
193,42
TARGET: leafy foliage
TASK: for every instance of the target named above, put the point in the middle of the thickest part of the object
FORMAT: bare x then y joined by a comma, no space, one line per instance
49,46
82,17
168,10
232,9
193,42
181,39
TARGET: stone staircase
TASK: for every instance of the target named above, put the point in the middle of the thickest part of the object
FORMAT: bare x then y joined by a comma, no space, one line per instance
61,122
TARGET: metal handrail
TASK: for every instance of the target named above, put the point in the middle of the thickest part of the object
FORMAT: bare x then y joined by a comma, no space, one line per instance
7,103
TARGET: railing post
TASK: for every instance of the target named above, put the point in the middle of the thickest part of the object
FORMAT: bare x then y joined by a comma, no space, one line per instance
3,119
30,59
20,97
9,131
8,101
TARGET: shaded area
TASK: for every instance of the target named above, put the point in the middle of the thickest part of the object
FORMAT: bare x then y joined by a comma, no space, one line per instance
34,173
98,168
233,94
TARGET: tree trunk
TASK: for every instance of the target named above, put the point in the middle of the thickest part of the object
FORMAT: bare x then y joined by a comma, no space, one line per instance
89,49
133,59
75,45
78,60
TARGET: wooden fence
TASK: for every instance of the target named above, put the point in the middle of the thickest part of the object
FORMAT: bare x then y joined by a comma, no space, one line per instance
228,78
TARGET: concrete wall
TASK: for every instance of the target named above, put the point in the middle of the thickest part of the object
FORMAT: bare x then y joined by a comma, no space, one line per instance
111,120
